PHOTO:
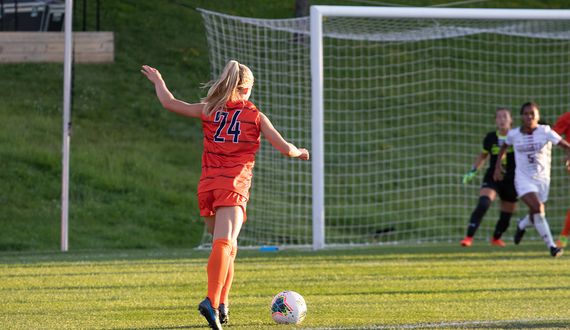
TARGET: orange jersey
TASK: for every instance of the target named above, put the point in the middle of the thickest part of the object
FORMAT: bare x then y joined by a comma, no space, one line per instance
231,140
562,126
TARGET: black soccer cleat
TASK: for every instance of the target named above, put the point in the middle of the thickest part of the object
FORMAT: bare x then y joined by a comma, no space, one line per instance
211,314
519,233
556,252
224,314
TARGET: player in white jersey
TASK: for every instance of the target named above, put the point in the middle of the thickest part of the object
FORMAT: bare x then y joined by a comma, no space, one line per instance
532,144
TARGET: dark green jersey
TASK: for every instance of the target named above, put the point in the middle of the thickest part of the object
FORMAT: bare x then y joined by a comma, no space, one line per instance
491,145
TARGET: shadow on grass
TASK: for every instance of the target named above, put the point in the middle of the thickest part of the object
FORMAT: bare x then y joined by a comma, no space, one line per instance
180,327
492,325
422,292
419,252
29,258
166,328
560,324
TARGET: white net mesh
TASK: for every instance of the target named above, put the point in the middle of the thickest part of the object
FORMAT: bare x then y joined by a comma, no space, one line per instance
407,105
279,211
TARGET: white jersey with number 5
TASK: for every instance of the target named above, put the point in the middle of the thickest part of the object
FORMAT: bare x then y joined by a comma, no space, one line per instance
532,152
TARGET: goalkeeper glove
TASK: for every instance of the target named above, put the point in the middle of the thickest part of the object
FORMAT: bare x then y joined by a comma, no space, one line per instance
469,176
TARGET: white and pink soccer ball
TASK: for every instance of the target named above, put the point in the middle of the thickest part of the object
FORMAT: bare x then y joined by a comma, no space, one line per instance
288,307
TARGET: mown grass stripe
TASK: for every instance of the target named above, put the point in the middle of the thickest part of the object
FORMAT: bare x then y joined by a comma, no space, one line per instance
448,324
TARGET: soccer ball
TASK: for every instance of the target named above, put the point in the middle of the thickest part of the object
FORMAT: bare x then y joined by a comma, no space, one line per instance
288,307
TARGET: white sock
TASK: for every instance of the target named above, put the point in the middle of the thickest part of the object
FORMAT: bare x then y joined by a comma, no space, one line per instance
543,229
525,222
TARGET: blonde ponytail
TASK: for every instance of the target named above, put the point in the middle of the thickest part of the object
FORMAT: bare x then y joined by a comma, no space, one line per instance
226,87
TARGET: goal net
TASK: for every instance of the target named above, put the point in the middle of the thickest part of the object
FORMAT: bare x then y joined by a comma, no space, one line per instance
406,105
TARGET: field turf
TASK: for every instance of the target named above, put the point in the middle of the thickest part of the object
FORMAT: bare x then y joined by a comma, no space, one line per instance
134,166
432,286
134,170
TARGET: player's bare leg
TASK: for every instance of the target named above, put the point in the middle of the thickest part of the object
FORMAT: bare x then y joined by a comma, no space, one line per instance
210,223
225,228
537,212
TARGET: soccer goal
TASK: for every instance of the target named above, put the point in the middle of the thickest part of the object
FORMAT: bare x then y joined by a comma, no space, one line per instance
393,104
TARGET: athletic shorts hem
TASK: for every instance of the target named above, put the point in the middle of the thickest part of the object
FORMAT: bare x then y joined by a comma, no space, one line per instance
209,201
505,189
542,189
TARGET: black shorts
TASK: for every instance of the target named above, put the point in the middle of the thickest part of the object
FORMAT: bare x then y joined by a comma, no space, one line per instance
505,189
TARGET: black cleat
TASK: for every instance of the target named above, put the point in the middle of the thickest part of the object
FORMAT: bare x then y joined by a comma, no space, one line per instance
556,252
519,233
224,314
211,314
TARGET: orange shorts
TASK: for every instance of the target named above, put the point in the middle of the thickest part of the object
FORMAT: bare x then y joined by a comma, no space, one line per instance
209,201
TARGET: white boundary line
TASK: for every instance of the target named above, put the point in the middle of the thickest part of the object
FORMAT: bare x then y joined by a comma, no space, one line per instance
449,324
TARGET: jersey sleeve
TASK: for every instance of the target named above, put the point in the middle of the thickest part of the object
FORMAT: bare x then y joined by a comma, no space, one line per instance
509,137
487,143
552,136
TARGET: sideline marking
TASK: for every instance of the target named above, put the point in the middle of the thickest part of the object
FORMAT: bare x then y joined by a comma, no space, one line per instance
449,324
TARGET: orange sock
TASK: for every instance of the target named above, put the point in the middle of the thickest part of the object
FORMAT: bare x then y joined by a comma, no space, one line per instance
229,279
566,230
218,264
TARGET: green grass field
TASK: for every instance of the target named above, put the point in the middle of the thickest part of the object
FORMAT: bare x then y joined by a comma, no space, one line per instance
482,287
134,166
134,216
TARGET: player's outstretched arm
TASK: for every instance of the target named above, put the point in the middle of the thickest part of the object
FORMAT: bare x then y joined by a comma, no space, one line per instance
499,170
271,134
479,161
566,146
167,100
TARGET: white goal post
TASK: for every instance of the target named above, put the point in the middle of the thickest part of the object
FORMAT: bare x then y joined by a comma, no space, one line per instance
320,12
393,104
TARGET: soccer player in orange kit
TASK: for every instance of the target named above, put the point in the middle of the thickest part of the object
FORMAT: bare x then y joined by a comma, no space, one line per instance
562,127
232,127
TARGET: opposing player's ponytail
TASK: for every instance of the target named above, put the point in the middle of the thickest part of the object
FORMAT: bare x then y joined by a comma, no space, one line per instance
226,87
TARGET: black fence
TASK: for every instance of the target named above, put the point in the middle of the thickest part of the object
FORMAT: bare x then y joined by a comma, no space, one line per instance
41,15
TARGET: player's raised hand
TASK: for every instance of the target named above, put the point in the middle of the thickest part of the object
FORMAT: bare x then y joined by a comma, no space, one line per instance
304,154
469,176
151,73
